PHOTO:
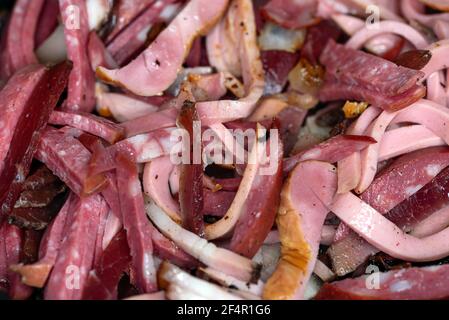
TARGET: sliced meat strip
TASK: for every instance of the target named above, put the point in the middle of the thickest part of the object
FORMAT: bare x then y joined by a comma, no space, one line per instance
76,256
166,54
68,159
156,185
345,73
36,274
25,114
309,189
425,283
103,280
217,203
133,39
48,21
89,123
261,205
397,185
292,14
332,150
151,122
98,54
81,94
191,173
385,235
123,13
138,228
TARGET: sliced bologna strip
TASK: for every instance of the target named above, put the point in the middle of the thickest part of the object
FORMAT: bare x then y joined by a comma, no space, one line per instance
103,280
333,150
36,274
68,159
89,123
76,255
25,114
138,228
428,283
164,57
309,189
81,95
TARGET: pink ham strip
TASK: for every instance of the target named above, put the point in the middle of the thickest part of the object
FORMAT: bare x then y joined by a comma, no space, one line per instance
148,123
369,156
29,29
89,123
36,274
133,38
166,54
393,27
396,184
251,67
307,197
77,250
98,55
439,51
123,107
350,168
407,139
379,45
385,235
333,150
156,186
66,157
414,10
81,94
138,228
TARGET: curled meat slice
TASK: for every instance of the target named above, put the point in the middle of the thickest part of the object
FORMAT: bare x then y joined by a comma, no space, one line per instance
292,14
406,284
166,54
385,235
206,252
307,192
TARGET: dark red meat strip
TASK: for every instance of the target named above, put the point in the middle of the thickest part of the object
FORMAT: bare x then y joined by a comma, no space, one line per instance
114,262
277,65
89,123
25,114
216,204
48,21
317,38
69,276
81,95
356,75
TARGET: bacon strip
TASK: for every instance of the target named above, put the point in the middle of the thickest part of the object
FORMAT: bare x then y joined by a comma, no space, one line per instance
81,95
71,270
166,54
25,114
89,123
